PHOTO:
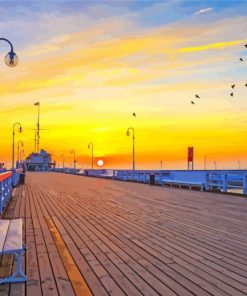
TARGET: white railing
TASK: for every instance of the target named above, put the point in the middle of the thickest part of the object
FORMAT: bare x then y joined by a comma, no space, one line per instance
223,181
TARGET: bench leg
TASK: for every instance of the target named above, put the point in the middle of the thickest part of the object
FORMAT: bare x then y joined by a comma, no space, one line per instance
18,276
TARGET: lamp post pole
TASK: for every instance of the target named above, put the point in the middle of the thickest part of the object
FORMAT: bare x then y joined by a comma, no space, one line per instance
19,151
73,151
37,137
13,143
133,148
11,59
91,145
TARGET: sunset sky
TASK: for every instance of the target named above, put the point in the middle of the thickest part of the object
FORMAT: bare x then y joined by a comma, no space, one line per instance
91,64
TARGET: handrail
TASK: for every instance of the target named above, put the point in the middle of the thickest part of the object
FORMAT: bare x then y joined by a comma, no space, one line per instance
5,175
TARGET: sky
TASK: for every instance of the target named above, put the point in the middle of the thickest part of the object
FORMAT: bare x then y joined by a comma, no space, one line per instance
91,64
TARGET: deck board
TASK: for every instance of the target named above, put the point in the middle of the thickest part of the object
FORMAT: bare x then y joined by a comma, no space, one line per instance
121,238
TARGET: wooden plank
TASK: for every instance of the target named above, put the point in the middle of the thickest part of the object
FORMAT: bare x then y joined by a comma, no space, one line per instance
4,225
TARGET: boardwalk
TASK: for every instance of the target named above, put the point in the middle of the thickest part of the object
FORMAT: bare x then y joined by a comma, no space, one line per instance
87,236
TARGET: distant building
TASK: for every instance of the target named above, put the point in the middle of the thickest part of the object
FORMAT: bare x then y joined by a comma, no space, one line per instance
39,161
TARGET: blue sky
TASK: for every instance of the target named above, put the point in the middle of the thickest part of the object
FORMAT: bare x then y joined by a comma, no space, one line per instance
113,57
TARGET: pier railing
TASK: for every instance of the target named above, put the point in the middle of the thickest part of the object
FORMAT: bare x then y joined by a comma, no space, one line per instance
5,189
226,181
8,180
220,180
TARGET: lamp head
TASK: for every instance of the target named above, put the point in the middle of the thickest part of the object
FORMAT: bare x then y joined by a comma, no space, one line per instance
20,129
88,146
11,59
127,133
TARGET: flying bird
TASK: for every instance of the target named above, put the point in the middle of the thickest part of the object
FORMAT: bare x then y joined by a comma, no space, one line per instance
196,96
192,103
241,60
232,86
134,114
245,45
231,94
246,84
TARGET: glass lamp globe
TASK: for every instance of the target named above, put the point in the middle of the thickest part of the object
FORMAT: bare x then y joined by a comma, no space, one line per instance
11,59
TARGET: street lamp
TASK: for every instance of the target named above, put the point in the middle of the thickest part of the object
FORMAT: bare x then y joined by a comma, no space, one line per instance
91,145
73,152
11,58
37,136
133,138
13,143
19,151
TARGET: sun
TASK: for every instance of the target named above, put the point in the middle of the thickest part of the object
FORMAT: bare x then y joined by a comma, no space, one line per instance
100,162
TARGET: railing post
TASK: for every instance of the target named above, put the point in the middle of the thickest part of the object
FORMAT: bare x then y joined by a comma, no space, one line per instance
1,198
245,184
160,177
207,182
224,180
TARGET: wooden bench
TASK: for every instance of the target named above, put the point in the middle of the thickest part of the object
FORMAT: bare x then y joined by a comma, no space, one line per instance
11,243
106,176
181,183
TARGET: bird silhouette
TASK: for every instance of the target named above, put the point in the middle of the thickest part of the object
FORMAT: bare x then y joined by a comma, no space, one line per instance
245,45
241,60
231,94
232,86
246,84
192,103
134,114
196,96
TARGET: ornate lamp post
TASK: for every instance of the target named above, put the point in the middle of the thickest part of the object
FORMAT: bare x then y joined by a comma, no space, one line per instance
20,143
133,138
73,152
11,58
91,145
13,143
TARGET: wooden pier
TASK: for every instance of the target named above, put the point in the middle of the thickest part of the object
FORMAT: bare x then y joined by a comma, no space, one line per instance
88,236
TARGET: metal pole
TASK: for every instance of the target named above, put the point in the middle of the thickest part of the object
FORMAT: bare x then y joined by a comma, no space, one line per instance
74,159
38,127
13,148
63,160
13,143
18,153
11,46
133,138
133,150
92,156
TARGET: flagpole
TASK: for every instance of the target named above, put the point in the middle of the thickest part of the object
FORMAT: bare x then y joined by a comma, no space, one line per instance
38,128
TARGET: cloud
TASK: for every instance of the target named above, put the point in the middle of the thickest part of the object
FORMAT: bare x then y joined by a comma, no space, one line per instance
217,45
204,10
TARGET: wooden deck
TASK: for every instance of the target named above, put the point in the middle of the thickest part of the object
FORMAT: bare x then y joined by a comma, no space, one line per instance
87,236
